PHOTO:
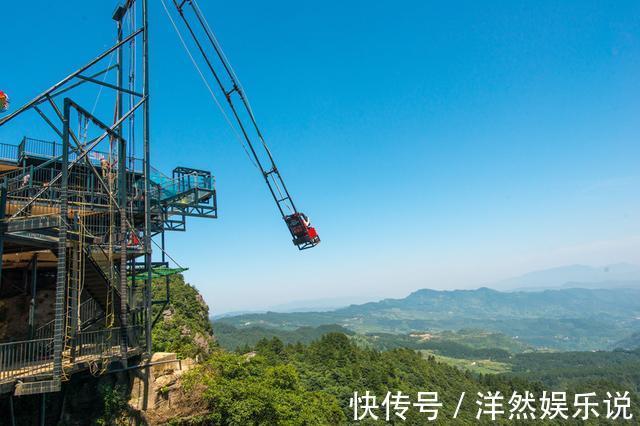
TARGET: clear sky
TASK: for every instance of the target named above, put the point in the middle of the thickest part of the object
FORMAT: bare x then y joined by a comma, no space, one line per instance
433,144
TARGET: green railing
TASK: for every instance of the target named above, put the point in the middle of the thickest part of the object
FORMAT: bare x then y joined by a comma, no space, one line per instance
8,152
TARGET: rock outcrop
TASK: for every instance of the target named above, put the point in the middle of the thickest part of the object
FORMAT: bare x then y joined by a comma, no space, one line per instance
157,393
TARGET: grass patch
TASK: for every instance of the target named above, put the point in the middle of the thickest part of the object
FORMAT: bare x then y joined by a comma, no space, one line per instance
479,366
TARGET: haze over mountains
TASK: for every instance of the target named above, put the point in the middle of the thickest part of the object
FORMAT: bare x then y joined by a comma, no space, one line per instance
620,275
580,276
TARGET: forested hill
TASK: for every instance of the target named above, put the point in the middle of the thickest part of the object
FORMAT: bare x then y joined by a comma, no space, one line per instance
568,319
271,382
630,343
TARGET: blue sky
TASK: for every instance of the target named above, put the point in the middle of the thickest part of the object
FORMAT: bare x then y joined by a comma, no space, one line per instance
433,145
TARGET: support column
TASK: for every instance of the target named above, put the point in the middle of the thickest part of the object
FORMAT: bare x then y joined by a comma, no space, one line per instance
12,412
73,305
124,291
164,302
147,173
166,279
122,202
3,209
61,279
43,410
32,304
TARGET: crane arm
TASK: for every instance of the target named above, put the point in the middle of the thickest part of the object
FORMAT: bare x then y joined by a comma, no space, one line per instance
304,236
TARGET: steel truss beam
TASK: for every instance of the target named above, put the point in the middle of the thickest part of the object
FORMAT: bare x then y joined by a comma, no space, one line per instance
68,78
84,151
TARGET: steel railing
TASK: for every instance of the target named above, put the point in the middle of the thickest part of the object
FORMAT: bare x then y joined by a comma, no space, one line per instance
106,343
45,331
35,357
37,148
30,357
90,311
83,187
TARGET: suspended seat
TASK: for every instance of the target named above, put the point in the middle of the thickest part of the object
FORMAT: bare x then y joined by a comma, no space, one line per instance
304,235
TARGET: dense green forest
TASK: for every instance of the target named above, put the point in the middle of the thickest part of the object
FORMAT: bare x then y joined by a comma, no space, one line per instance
467,344
233,338
308,375
473,350
621,368
312,384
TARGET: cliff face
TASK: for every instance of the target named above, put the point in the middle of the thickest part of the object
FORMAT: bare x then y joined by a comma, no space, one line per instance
182,336
158,395
184,326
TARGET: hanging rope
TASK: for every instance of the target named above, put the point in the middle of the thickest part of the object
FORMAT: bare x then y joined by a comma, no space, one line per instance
231,73
168,255
104,78
206,83
242,113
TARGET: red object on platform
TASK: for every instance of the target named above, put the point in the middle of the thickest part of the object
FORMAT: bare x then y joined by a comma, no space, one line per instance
4,101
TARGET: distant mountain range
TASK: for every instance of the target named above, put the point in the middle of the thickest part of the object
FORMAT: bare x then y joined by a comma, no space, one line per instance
620,275
566,319
309,305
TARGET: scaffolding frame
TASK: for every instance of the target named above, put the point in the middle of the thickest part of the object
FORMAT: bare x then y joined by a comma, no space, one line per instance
99,217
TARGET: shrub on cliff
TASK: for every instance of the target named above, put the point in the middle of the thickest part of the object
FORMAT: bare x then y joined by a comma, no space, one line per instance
184,325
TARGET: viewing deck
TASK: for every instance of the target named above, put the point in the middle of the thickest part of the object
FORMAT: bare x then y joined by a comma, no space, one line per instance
26,366
104,277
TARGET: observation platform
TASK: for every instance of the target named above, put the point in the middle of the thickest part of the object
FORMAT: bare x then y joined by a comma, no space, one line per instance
91,228
27,367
